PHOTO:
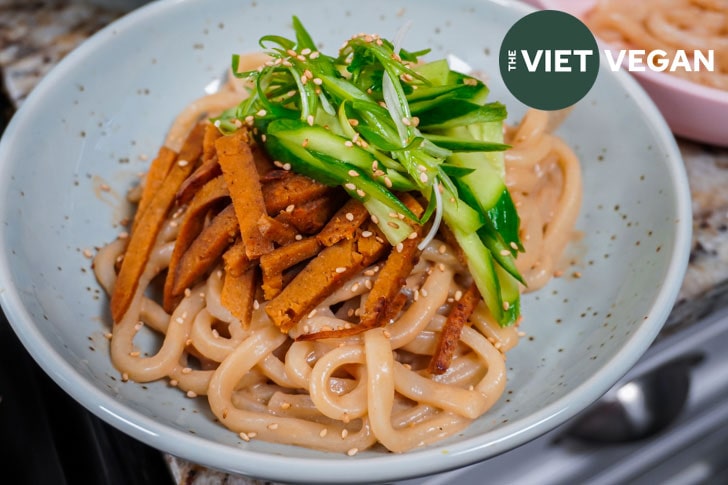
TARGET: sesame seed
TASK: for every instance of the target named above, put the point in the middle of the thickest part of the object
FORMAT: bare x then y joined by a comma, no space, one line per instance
368,284
298,237
366,234
393,225
286,166
348,143
134,353
341,269
273,426
350,186
291,53
183,163
179,320
191,394
387,334
375,219
188,292
506,305
441,267
423,292
406,121
244,436
442,249
344,433
458,295
318,81
301,57
400,247
323,432
262,112
252,434
88,254
314,55
354,122
413,235
388,182
306,51
256,305
124,377
423,178
353,173
352,451
354,287
285,405
309,119
360,193
312,313
173,382
290,208
505,252
349,216
186,370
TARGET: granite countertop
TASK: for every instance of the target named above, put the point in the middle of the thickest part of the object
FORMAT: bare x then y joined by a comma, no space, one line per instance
34,36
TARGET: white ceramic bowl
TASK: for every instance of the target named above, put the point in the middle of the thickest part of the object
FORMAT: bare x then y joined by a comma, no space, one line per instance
91,120
692,110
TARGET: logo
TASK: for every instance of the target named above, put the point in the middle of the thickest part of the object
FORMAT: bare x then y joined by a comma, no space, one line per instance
549,60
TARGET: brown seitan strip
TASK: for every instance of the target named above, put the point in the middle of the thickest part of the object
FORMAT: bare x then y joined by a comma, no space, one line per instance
310,217
344,223
323,275
277,261
204,252
238,294
204,173
277,231
235,260
241,175
209,196
142,239
282,189
156,174
451,330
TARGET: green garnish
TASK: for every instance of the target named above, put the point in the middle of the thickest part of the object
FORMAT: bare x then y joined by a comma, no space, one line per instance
374,120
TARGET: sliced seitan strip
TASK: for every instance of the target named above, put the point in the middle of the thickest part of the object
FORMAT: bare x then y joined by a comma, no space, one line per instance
243,182
238,294
282,189
209,196
204,252
276,262
323,275
150,223
451,330
344,223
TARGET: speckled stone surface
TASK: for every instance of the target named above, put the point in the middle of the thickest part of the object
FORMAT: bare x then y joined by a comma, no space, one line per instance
35,35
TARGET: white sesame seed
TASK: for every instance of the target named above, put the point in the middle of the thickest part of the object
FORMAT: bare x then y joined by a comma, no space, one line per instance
134,353
290,208
183,163
124,377
350,186
191,394
505,252
354,287
314,55
366,234
262,112
353,173
286,166
413,235
442,249
400,247
312,313
423,178
323,432
309,119
244,436
388,182
173,382
458,295
348,143
361,193
352,451
298,237
256,305
506,305
273,426
406,121
344,433
341,269
88,254
179,320
186,370
349,216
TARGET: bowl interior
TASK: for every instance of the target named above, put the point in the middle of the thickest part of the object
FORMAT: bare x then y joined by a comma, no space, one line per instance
91,126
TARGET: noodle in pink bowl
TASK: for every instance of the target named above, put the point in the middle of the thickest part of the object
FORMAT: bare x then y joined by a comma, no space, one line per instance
306,269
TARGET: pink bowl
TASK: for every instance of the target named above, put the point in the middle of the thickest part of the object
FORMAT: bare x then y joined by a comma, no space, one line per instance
691,110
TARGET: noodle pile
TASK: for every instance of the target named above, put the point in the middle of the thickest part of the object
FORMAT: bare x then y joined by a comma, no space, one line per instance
350,393
668,25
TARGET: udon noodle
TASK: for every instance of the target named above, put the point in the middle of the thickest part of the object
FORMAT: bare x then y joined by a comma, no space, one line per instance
346,394
668,25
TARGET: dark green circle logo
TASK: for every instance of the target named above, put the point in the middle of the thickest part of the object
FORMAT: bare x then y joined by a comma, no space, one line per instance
549,60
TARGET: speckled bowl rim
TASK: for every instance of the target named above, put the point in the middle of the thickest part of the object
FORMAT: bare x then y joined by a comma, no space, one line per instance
386,467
